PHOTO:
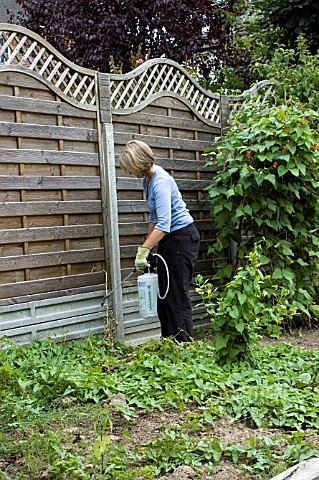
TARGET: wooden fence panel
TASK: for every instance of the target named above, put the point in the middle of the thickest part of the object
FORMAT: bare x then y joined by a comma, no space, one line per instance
51,227
178,138
52,236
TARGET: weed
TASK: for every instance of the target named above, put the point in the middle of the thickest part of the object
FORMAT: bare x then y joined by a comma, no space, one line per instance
280,390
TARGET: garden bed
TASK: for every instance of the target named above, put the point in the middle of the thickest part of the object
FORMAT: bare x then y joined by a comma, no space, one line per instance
76,410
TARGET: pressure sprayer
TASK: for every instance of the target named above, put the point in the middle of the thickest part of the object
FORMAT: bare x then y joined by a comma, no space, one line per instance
147,289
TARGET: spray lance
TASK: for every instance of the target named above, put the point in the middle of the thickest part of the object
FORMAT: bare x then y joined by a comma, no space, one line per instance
147,288
115,288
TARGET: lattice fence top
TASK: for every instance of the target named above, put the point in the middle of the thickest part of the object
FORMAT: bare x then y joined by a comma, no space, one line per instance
129,92
158,77
262,93
22,48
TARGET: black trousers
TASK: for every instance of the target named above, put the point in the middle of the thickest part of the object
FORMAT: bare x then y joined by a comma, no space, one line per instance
179,249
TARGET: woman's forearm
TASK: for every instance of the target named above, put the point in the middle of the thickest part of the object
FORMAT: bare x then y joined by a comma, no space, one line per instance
151,226
154,236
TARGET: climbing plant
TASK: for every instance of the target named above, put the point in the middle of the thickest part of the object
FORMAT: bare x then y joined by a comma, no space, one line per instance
267,190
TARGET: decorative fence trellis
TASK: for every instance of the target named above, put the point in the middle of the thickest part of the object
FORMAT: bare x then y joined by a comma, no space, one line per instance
68,215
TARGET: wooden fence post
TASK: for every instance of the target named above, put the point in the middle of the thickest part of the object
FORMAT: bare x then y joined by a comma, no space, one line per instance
109,197
224,112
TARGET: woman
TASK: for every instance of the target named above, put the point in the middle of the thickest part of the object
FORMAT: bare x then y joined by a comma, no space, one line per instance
172,228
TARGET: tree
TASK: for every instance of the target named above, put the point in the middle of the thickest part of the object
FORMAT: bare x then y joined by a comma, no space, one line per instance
293,17
89,32
258,27
220,60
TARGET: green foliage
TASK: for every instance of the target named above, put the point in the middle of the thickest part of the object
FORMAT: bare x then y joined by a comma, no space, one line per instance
243,309
257,456
271,395
263,453
58,371
177,448
68,465
254,40
236,317
295,72
267,192
279,390
9,379
250,304
269,37
293,17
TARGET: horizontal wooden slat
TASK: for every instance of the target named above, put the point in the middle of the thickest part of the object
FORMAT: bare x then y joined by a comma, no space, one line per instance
135,228
164,121
139,206
22,104
15,182
50,285
48,157
49,233
163,142
128,183
198,205
141,227
131,206
182,165
47,259
14,78
14,209
192,185
202,266
179,164
170,102
206,225
10,129
129,251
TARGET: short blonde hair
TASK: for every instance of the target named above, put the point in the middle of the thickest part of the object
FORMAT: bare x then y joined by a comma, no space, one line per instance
136,158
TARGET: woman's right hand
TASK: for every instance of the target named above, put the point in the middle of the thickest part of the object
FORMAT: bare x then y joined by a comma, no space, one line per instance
141,261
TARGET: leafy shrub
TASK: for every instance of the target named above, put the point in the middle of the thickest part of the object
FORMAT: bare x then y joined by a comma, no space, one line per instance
242,310
267,191
237,312
295,72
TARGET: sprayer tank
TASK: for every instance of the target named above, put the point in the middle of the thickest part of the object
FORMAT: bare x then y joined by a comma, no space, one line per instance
147,286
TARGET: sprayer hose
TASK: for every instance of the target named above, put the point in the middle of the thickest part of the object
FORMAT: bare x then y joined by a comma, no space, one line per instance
167,273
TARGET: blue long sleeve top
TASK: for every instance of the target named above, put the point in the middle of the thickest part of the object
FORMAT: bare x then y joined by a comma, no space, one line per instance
167,209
